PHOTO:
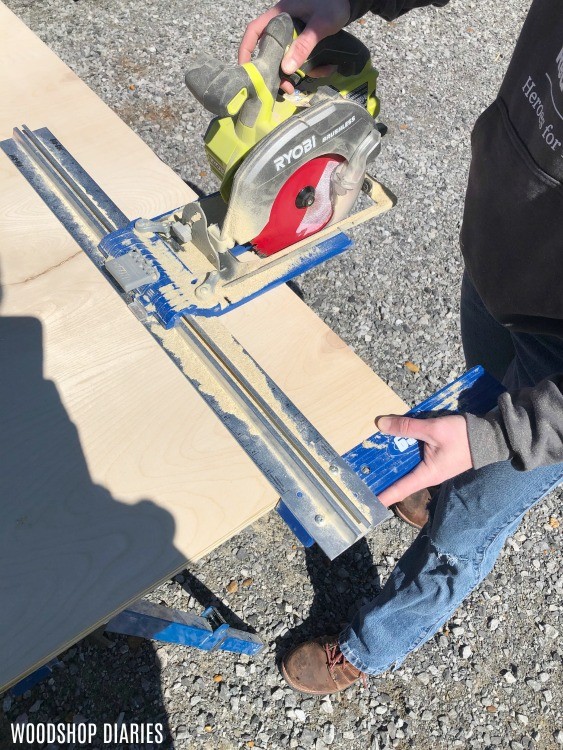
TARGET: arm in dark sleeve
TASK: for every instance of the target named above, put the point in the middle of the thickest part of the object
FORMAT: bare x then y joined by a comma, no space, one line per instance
388,9
526,427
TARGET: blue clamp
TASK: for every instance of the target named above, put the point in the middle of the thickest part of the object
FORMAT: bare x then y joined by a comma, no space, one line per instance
383,459
169,294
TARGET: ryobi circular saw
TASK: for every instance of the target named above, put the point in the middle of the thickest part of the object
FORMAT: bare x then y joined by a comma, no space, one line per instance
291,168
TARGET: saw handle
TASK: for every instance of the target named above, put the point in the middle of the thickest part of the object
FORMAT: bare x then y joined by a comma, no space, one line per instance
276,38
215,85
220,88
343,50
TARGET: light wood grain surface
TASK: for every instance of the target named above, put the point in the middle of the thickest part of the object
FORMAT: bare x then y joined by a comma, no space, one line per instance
113,472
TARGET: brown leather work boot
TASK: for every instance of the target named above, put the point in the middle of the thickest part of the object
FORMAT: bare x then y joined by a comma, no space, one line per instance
414,508
318,667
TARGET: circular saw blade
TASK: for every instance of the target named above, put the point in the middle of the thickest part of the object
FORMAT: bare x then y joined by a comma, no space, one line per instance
302,207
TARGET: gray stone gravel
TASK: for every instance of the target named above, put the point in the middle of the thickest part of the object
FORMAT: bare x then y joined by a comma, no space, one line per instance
493,676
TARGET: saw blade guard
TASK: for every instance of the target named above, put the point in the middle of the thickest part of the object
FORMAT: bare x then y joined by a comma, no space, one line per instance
347,180
302,207
331,126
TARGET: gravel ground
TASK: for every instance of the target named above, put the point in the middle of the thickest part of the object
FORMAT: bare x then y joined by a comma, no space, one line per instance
493,676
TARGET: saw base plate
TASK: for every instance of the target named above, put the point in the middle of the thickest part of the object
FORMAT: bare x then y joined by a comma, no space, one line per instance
176,275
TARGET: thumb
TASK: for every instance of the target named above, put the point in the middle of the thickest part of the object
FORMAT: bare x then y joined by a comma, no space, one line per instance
302,47
404,427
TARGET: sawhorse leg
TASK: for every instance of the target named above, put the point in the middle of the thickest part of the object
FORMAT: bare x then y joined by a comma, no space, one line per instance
209,632
35,677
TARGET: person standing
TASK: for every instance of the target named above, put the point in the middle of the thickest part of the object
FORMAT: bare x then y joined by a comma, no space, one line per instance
486,470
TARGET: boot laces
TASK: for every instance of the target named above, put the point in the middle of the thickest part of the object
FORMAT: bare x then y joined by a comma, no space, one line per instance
335,658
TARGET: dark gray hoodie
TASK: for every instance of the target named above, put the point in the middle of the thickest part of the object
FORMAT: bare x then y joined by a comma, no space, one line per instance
512,232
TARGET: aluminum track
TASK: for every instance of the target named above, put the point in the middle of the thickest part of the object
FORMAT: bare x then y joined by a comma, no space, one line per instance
320,489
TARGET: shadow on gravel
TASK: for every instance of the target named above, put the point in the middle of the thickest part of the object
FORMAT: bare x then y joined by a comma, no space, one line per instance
206,598
340,587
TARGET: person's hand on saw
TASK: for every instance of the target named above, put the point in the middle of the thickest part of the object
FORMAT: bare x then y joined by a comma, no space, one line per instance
446,452
322,18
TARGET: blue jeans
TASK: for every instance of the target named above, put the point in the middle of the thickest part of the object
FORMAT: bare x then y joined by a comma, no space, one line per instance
470,517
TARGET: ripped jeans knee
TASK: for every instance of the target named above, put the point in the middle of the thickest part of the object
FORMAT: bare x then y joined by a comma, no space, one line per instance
447,558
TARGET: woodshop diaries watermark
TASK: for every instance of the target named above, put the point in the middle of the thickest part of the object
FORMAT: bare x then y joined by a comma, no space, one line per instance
43,734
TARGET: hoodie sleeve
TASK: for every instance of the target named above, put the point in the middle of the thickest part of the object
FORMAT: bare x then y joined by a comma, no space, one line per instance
388,9
526,427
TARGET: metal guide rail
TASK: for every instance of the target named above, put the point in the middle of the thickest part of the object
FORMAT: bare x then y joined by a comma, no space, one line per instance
321,491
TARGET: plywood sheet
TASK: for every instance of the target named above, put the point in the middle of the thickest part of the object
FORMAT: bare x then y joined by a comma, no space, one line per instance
113,472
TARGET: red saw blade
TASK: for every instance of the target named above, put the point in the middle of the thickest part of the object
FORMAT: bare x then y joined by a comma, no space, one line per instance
301,208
